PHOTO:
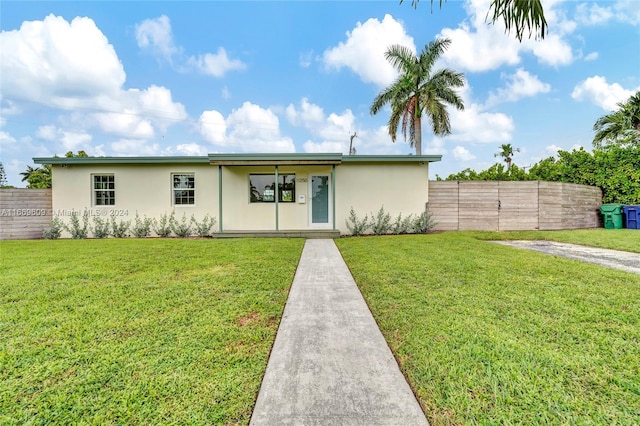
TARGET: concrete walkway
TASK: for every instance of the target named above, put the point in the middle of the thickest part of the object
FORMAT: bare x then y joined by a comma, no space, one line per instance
330,364
616,259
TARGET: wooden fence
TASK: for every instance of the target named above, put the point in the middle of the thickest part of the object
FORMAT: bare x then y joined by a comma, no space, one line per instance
510,206
24,212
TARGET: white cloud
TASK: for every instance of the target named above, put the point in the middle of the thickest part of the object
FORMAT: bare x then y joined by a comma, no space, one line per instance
72,66
305,59
363,51
552,149
226,94
191,149
57,63
249,128
477,46
72,140
6,138
597,91
462,154
591,56
135,147
216,64
155,35
47,133
521,84
624,11
213,127
334,130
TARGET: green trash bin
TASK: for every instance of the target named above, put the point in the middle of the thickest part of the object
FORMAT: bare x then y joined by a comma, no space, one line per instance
612,215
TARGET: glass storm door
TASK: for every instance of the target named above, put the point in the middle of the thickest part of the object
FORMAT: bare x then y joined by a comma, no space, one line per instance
320,200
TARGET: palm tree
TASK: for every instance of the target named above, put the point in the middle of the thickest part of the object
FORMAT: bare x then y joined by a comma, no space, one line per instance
516,14
27,173
621,127
418,90
507,152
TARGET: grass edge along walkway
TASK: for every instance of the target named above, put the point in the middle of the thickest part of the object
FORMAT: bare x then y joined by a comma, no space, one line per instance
489,334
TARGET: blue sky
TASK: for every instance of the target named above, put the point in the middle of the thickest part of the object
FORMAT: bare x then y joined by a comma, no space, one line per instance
191,78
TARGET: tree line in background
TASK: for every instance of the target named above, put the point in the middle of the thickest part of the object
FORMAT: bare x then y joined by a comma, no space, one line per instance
614,164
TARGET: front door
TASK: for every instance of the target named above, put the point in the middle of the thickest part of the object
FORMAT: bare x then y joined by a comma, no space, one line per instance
320,208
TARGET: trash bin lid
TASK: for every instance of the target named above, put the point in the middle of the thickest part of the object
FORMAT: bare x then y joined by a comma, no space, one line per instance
611,208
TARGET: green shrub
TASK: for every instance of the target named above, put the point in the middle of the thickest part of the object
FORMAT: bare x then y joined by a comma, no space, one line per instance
141,227
355,225
162,227
381,222
75,228
204,228
54,230
119,230
403,225
423,223
100,227
180,228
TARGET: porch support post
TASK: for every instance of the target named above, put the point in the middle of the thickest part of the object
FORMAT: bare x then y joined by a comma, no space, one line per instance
276,200
220,198
333,193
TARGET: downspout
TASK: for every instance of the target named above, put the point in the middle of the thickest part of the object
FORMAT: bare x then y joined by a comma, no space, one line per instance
220,198
333,194
276,201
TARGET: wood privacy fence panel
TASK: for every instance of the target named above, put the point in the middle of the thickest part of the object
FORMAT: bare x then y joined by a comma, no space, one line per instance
511,206
24,212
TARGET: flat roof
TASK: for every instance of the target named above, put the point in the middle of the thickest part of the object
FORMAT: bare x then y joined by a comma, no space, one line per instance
245,159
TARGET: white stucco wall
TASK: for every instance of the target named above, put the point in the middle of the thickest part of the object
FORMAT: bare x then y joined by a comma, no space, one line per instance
147,190
400,188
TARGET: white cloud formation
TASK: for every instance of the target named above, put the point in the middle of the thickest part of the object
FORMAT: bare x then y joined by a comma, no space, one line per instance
462,154
156,36
191,149
57,63
334,130
591,56
134,147
521,84
624,11
68,140
249,128
47,132
216,64
6,138
363,51
477,46
72,67
597,91
212,127
305,59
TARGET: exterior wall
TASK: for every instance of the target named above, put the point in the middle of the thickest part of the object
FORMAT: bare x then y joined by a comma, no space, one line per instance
24,212
400,188
510,206
145,189
239,214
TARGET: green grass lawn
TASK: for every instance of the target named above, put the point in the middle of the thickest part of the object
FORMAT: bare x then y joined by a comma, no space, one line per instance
138,331
488,334
616,239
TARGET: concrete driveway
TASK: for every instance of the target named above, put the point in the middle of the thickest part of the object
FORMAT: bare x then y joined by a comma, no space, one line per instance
616,259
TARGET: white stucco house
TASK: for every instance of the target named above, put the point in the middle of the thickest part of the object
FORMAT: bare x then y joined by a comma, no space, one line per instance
244,192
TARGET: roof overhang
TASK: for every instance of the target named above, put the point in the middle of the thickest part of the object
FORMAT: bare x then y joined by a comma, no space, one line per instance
315,159
274,159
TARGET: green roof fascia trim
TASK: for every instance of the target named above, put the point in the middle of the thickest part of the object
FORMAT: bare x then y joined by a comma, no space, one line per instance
274,158
391,158
183,159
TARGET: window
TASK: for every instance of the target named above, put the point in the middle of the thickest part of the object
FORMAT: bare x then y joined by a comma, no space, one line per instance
104,190
184,189
262,188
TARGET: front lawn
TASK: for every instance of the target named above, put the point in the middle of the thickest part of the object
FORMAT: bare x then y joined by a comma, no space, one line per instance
138,331
488,334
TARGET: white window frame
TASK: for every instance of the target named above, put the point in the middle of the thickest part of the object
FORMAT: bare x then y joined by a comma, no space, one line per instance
95,191
174,190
